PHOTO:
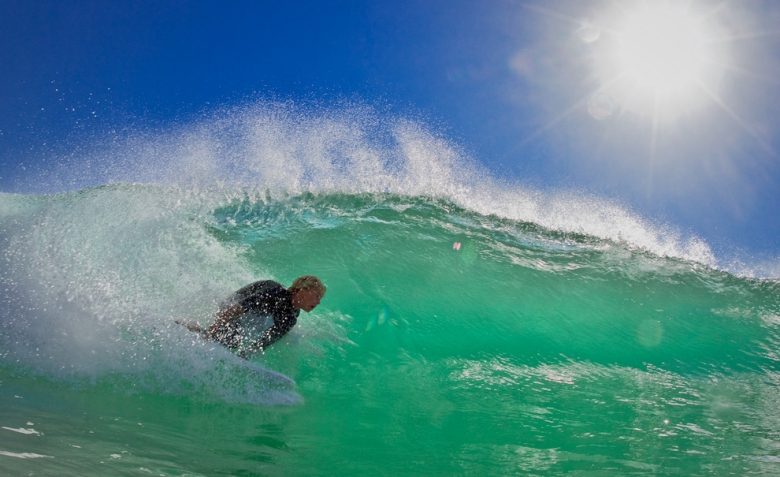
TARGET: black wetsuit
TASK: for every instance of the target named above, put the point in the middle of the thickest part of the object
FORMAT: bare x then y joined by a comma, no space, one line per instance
265,297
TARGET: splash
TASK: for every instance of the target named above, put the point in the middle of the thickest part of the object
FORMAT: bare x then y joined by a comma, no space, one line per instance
282,150
94,281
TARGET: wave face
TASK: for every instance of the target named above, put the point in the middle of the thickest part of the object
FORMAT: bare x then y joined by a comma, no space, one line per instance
563,335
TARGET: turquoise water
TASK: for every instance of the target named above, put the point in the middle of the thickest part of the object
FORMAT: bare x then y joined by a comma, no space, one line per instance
565,336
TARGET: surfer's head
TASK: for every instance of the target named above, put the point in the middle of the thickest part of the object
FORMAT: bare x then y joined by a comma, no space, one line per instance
307,291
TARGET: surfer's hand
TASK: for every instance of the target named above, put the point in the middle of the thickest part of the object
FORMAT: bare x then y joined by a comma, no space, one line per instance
222,320
192,326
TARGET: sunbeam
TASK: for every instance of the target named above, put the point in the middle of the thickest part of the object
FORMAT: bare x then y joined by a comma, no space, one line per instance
574,107
551,13
654,140
745,36
745,72
742,123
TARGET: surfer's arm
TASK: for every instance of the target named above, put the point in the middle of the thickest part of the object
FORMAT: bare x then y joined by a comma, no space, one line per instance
190,325
223,320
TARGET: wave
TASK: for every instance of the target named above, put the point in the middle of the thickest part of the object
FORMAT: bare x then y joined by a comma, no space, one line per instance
94,279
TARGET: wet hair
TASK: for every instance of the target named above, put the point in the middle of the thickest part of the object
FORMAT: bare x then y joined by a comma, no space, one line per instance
308,282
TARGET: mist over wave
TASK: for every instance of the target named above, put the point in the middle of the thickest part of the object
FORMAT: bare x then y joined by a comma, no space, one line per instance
284,149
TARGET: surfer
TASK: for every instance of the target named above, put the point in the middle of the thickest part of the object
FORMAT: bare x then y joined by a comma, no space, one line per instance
239,323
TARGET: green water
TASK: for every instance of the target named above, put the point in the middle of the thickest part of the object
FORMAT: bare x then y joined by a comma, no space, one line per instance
529,351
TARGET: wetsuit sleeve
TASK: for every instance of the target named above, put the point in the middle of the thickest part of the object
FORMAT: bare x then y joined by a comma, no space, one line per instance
272,334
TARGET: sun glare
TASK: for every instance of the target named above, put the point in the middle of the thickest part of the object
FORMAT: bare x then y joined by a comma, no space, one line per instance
655,58
661,59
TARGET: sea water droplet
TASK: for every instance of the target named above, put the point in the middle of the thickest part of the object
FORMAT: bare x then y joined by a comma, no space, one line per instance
371,323
600,106
650,333
588,32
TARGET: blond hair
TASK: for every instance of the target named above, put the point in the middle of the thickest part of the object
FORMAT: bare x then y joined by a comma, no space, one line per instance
308,282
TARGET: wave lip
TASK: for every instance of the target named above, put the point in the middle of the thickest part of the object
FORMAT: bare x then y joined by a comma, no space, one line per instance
285,150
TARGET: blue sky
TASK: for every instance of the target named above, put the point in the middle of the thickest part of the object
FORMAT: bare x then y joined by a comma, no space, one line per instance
508,81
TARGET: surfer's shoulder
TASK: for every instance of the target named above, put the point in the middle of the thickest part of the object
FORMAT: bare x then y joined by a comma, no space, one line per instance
261,286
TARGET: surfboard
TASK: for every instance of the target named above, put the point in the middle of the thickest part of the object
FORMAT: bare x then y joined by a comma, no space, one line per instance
272,377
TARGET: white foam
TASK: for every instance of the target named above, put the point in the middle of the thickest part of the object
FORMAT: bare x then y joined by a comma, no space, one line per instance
22,430
26,455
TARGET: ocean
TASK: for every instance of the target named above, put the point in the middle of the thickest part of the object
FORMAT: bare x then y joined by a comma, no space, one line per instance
472,326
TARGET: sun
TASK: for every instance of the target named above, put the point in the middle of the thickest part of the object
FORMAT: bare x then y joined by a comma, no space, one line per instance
661,59
661,48
658,59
